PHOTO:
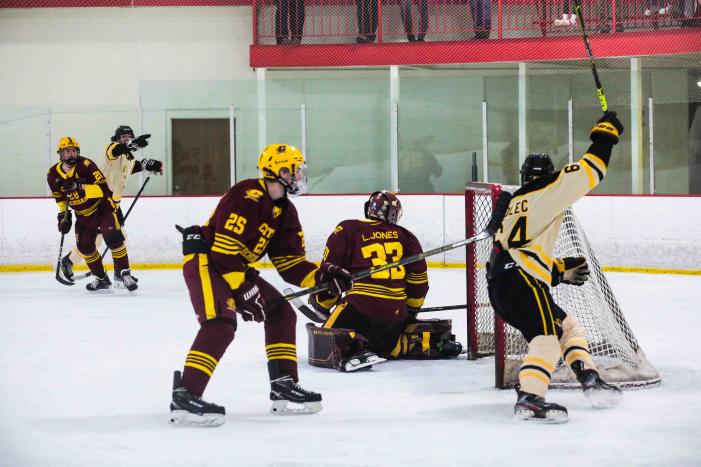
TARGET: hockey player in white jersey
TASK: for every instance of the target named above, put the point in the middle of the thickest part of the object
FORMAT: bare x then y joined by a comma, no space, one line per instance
522,269
117,164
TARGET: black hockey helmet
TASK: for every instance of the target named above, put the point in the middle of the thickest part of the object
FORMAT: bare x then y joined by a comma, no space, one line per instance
385,206
122,130
536,165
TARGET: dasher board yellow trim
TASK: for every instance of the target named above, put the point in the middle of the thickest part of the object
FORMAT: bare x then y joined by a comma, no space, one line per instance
268,265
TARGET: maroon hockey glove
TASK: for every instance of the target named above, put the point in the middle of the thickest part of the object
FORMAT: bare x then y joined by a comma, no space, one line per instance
65,222
249,302
72,184
338,278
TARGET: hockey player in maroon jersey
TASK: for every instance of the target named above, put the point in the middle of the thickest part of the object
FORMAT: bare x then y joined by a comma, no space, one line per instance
522,267
377,318
76,182
253,218
117,164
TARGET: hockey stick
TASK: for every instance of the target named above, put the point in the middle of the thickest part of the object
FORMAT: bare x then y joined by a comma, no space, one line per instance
60,253
597,81
136,198
494,223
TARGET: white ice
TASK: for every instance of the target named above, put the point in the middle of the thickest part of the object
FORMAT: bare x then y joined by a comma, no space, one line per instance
86,380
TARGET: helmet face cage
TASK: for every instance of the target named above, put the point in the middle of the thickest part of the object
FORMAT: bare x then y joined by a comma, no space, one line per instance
122,130
534,166
65,143
385,206
286,165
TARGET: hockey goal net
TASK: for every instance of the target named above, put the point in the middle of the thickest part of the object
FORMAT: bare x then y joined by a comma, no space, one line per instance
612,343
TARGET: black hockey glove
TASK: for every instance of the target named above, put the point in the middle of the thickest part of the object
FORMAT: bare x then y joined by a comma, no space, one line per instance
607,129
139,142
152,165
65,222
193,242
338,278
249,302
72,184
572,270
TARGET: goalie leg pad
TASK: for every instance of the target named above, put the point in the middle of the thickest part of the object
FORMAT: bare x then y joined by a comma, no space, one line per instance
330,347
427,339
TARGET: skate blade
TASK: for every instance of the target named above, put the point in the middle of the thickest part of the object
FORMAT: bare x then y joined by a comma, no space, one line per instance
120,285
603,399
185,418
291,408
101,291
551,416
354,364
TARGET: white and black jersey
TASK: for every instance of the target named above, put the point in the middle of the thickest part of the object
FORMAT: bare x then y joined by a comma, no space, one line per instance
532,223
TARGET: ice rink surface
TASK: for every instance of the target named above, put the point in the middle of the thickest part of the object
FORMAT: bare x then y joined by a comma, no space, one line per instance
86,381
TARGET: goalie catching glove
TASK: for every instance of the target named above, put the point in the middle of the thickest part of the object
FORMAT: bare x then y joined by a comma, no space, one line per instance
338,278
572,270
249,302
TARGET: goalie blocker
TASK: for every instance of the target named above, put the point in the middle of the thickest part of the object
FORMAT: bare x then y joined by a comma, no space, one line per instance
347,350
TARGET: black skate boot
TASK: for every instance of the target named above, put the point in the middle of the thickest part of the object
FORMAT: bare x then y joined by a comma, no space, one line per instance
99,284
67,267
449,348
601,394
284,390
189,410
124,280
531,407
361,360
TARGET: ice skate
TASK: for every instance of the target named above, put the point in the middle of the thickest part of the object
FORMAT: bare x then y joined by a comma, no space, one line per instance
189,410
600,394
363,360
100,285
533,408
124,280
66,268
284,391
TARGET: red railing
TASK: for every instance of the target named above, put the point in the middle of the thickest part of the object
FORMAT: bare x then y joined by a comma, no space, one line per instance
375,21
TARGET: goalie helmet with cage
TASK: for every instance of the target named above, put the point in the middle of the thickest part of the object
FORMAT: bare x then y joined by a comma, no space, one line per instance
68,142
385,206
286,165
535,166
121,131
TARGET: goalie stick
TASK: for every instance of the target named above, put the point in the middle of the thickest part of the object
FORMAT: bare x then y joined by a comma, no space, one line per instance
138,194
597,81
319,317
494,223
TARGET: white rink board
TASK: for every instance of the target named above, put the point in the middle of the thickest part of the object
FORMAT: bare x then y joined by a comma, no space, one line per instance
625,231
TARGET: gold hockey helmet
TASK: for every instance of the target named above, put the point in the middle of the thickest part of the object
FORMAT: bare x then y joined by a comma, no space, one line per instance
65,143
285,164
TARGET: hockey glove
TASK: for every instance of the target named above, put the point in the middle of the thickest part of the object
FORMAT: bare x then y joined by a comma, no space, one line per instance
152,165
249,302
193,243
72,184
607,129
65,222
338,278
572,270
139,142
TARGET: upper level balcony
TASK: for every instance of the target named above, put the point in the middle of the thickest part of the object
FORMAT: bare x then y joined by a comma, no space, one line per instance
311,33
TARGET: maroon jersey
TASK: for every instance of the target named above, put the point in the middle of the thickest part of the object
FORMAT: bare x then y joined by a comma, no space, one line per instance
358,245
86,201
246,225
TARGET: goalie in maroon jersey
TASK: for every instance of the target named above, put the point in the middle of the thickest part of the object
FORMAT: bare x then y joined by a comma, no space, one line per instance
76,182
376,320
253,218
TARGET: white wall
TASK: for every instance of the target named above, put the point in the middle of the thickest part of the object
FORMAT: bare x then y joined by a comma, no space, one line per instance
660,232
98,56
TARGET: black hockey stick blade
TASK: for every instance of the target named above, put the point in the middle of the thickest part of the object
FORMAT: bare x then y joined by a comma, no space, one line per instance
60,253
306,310
178,228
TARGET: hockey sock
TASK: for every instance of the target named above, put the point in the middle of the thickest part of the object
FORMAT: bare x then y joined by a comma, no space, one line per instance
210,344
94,262
282,362
120,257
280,342
538,366
574,344
75,256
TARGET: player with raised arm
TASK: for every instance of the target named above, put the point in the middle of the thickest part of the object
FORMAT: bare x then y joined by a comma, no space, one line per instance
522,269
376,319
117,164
78,183
253,218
